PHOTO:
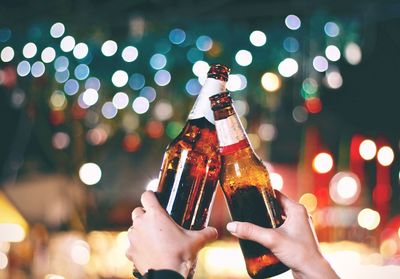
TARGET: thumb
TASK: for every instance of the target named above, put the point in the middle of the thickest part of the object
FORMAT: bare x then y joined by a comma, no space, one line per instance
249,231
201,238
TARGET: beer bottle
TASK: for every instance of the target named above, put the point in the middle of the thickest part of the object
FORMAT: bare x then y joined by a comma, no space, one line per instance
191,165
246,185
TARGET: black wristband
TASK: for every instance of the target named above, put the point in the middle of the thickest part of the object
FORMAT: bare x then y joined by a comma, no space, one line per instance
162,274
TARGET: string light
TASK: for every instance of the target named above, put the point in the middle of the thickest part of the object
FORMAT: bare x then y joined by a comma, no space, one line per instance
109,48
293,22
309,201
81,50
130,54
352,53
288,67
57,30
368,219
67,44
119,78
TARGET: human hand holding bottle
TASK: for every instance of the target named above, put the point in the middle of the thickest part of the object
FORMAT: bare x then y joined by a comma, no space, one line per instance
294,243
157,242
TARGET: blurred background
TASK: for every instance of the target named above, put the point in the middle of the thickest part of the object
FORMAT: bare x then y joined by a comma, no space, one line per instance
91,93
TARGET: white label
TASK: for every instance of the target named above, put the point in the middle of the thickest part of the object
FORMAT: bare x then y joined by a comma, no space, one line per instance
229,131
202,106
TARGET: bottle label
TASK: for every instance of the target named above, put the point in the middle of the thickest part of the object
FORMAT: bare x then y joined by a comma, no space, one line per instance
231,136
202,106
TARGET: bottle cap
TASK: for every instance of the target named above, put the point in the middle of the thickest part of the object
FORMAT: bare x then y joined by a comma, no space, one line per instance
219,71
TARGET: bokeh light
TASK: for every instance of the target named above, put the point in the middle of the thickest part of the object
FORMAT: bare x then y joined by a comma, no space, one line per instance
313,105
309,201
67,44
3,260
7,54
11,232
236,82
61,64
344,188
385,156
270,82
276,180
120,78
173,129
334,79
82,71
291,44
120,100
90,173
241,107
152,185
109,48
5,34
154,129
23,68
163,110
322,163
204,43
200,69
177,36
309,88
367,149
162,77
37,69
57,100
332,52
320,63
158,61
266,131
149,93
71,87
193,87
352,53
288,67
254,140
93,83
292,22
194,55
137,81
258,38
368,219
48,55
60,140
81,50
97,136
131,143
108,110
243,57
80,252
130,54
331,29
57,30
61,77
90,97
140,105
29,50
388,248
300,114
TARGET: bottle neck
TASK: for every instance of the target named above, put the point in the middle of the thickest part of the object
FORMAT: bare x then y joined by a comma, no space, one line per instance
201,107
230,132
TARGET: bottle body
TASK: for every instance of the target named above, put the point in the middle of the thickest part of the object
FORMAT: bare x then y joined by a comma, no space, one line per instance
247,188
191,165
189,174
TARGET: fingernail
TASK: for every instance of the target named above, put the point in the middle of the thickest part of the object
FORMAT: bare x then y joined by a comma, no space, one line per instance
231,227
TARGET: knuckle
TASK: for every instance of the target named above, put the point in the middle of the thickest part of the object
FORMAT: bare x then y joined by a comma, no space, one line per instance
302,210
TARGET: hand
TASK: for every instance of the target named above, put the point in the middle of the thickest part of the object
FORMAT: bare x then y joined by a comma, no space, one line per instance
294,243
157,242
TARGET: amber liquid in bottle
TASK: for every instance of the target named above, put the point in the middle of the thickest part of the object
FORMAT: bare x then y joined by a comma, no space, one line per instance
191,165
246,184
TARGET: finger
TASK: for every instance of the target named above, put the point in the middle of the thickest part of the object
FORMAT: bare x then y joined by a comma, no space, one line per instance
245,230
149,200
128,254
138,211
204,236
287,204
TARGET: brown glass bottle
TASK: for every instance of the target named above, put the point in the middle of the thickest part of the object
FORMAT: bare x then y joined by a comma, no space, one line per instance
191,165
246,184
